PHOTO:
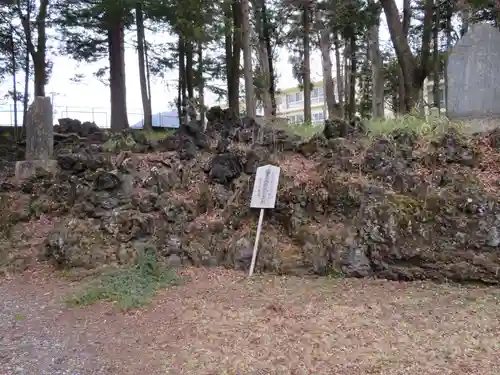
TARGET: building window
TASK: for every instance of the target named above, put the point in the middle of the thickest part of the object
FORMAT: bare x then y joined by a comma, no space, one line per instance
318,117
295,120
294,100
317,92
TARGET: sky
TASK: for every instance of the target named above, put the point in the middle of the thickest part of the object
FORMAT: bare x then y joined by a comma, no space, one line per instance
88,100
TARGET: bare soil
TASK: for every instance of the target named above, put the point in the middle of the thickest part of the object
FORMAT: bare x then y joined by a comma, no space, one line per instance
222,323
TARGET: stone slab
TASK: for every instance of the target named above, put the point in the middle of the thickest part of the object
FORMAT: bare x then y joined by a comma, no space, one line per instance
474,74
39,130
479,124
28,168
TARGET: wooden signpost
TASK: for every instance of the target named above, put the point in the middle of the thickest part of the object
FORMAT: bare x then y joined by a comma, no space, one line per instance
263,196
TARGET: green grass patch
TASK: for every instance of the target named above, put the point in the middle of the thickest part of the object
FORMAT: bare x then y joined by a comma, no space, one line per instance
430,126
129,287
306,131
19,317
159,135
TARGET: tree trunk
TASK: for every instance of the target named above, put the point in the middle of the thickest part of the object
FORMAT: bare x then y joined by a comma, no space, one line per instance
329,87
116,50
14,79
148,73
267,38
407,14
377,66
201,84
190,102
436,74
347,72
26,87
234,101
247,59
146,100
413,74
40,54
39,69
178,102
228,43
307,64
264,61
352,76
465,18
266,94
189,70
425,66
449,15
338,68
26,69
181,97
233,42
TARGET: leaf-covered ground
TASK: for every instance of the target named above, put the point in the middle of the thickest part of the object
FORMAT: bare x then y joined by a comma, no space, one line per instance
220,322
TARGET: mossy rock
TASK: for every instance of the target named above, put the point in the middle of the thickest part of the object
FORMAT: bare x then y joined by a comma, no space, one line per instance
78,243
13,209
42,205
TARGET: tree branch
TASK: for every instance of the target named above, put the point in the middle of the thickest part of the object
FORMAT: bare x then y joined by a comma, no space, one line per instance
424,68
27,29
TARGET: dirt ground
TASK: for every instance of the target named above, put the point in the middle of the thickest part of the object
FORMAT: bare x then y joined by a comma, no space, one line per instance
221,323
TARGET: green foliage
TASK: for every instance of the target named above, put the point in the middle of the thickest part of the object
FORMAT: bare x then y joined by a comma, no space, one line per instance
431,126
129,287
159,135
12,39
391,82
306,131
119,142
6,66
83,26
423,127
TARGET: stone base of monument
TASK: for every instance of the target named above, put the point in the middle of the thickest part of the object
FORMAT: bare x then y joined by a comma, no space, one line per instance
28,168
478,125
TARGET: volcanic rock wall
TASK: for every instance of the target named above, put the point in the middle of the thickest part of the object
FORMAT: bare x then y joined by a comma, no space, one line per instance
400,206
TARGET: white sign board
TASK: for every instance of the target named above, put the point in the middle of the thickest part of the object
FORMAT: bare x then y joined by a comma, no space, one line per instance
265,187
263,196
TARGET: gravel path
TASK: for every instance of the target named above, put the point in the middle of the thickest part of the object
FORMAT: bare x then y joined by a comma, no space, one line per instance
221,323
37,333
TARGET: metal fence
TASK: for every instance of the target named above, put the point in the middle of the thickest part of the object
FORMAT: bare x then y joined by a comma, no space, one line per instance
101,116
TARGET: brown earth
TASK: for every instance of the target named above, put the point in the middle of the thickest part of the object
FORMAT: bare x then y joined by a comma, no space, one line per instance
222,323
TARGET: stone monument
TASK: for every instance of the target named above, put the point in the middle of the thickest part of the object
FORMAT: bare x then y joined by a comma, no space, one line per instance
473,75
39,140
